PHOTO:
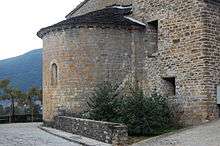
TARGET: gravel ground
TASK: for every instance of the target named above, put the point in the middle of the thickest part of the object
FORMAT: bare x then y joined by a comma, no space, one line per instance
29,135
204,135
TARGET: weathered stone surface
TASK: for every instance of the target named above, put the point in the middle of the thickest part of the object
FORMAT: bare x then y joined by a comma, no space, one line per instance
185,47
113,133
82,140
203,135
28,134
85,57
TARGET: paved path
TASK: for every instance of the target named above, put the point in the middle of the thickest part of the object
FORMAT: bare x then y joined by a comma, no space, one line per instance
204,135
29,135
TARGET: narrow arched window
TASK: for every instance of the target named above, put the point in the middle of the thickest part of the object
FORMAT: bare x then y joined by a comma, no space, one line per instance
54,74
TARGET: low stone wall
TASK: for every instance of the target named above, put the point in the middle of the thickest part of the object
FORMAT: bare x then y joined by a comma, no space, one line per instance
112,133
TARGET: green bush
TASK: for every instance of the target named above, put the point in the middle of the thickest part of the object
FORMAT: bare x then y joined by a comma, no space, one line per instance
146,115
143,115
103,104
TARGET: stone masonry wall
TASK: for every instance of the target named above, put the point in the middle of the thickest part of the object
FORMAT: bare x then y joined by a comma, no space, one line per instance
211,50
188,50
180,55
85,56
115,134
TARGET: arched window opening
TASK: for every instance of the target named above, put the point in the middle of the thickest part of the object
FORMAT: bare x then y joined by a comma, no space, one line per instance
54,75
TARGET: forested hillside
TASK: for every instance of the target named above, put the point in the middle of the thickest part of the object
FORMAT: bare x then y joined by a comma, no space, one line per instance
23,71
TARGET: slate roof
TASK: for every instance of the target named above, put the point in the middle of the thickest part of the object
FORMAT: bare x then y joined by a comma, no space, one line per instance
114,15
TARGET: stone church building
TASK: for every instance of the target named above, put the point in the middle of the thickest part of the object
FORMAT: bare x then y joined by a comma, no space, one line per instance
168,46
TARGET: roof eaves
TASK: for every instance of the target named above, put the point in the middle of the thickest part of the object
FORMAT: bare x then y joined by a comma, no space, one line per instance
115,16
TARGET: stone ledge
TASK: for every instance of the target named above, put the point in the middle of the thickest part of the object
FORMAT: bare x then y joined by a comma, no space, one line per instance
107,132
72,137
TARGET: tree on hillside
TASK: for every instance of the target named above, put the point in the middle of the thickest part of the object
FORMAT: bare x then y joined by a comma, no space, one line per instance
31,93
12,94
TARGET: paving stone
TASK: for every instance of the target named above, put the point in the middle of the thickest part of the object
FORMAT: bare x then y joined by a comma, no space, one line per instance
29,135
204,135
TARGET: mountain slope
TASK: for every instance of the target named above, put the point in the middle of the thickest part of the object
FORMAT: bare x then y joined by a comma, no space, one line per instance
23,71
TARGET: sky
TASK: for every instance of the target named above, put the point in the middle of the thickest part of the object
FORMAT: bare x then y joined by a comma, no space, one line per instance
21,19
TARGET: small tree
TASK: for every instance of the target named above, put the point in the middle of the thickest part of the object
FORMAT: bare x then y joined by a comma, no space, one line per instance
1,109
144,115
40,95
10,93
33,92
103,103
